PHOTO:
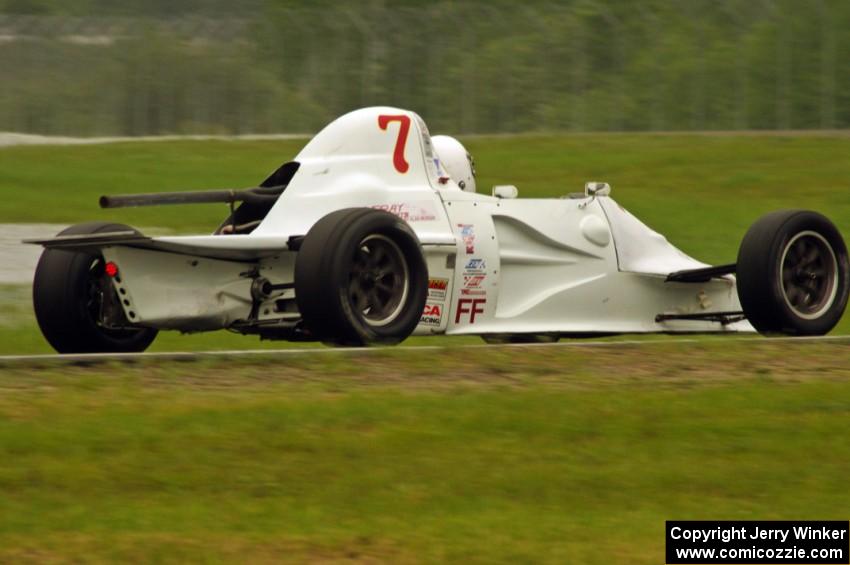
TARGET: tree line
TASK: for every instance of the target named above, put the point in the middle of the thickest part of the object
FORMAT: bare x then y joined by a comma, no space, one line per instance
133,67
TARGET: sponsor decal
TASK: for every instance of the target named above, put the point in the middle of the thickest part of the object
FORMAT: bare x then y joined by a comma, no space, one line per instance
472,292
435,170
474,276
469,307
432,315
473,281
467,232
437,288
408,211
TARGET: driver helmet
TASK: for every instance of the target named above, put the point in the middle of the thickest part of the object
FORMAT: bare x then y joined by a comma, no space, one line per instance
456,160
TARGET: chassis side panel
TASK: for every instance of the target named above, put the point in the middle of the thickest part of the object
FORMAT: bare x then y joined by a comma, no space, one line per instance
172,291
540,266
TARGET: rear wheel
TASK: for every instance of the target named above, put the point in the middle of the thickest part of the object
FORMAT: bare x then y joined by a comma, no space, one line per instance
360,278
793,273
70,290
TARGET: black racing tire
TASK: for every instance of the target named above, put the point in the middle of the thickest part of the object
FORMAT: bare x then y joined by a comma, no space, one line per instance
793,274
61,293
360,278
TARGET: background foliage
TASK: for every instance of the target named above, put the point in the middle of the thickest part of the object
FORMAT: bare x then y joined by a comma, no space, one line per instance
134,67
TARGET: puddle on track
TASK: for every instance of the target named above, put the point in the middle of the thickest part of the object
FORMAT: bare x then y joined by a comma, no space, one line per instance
18,260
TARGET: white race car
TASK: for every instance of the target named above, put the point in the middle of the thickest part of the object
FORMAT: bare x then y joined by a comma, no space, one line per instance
375,232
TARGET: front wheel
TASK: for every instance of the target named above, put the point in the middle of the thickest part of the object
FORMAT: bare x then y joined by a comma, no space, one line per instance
69,292
793,274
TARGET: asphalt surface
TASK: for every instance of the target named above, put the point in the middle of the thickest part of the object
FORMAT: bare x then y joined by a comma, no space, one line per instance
18,260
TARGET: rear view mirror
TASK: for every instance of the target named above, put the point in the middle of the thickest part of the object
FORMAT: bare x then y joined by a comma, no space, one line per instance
505,191
597,189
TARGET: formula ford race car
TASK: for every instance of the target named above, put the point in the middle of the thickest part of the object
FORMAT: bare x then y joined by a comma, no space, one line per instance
375,232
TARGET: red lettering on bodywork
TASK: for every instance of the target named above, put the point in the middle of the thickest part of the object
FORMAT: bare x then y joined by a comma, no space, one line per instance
471,306
404,127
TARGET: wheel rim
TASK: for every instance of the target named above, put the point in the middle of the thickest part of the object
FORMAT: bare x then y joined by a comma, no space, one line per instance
379,280
809,271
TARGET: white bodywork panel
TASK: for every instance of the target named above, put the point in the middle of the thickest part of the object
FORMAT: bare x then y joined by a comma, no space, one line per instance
551,266
153,289
640,249
343,169
495,265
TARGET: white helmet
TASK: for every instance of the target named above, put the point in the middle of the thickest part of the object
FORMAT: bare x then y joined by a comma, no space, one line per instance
456,160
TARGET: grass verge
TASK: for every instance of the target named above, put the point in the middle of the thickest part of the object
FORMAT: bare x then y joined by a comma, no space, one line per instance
489,455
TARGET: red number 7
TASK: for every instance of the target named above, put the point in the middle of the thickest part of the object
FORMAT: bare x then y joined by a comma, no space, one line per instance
398,153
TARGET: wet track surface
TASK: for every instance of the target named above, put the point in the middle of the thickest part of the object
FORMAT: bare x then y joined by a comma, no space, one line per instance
18,260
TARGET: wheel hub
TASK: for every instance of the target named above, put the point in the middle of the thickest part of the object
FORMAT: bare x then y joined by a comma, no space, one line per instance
378,284
809,271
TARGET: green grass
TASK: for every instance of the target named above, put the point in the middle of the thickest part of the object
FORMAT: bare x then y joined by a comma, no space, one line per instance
497,455
702,192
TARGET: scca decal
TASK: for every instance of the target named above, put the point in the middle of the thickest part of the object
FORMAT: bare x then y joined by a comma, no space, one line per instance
471,306
432,310
432,315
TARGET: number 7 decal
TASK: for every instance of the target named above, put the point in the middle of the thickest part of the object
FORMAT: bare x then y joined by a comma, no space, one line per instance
404,127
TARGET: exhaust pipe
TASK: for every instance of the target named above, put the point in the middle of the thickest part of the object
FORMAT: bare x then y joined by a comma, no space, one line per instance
259,195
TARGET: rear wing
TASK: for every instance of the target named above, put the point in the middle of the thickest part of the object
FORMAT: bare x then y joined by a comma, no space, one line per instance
231,247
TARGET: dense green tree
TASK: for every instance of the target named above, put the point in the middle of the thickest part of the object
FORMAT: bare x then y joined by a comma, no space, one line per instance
157,66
